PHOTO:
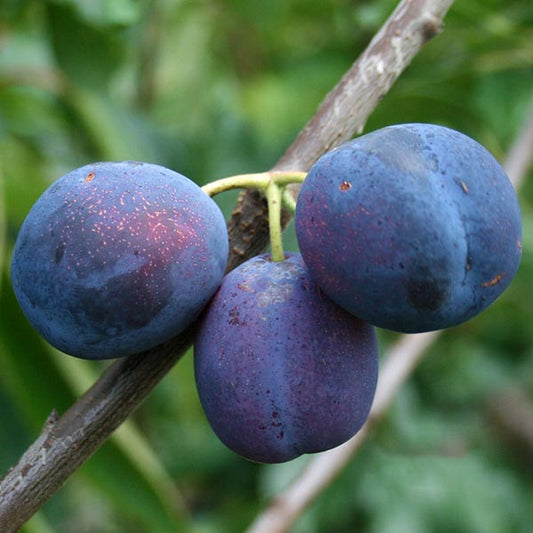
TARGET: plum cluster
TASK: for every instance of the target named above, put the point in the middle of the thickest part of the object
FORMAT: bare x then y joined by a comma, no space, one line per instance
412,228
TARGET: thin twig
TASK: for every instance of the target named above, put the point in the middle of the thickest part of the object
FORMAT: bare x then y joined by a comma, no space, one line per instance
402,359
66,442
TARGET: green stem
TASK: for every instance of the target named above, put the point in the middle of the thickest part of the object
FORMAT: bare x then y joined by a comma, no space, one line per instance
241,181
258,180
273,185
282,177
289,203
273,194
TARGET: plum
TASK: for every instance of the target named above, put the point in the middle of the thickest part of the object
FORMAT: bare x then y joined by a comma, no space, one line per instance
117,257
280,369
413,227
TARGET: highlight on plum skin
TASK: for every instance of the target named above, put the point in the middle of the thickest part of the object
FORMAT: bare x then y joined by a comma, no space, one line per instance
117,257
414,227
280,369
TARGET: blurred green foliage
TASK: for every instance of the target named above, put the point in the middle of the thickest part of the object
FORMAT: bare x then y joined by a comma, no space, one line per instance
212,88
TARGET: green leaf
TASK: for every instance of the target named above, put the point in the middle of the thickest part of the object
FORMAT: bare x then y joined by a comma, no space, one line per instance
88,55
115,132
438,494
37,524
28,371
107,12
2,220
118,480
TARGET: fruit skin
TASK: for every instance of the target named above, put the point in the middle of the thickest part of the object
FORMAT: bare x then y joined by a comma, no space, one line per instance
117,257
413,227
280,369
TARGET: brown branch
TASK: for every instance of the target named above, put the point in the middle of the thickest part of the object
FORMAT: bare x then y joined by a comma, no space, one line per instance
66,442
400,362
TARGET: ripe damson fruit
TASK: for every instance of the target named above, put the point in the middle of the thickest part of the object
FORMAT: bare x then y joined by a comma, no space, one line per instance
280,369
115,258
413,227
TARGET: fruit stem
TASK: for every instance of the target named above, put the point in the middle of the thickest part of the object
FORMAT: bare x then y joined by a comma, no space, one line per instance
260,180
288,201
241,181
273,185
282,177
273,194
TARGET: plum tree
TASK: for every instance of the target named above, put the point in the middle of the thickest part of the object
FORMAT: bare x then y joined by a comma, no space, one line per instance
280,369
413,227
115,258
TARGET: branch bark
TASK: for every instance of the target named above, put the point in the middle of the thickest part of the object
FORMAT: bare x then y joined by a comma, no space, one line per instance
66,442
400,362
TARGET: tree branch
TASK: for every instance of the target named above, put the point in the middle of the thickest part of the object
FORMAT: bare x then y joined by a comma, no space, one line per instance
66,442
402,359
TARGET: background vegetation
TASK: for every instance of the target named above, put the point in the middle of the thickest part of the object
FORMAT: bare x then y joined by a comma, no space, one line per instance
212,88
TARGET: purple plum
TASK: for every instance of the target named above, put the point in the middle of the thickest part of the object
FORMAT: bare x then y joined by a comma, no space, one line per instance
117,257
413,227
280,369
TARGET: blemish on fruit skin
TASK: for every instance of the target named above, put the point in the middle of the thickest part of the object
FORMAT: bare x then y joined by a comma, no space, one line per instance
234,316
345,185
493,281
463,185
244,287
90,177
60,251
425,293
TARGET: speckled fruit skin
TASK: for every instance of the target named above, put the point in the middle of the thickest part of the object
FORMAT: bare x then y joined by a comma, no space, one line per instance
413,227
115,258
280,369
